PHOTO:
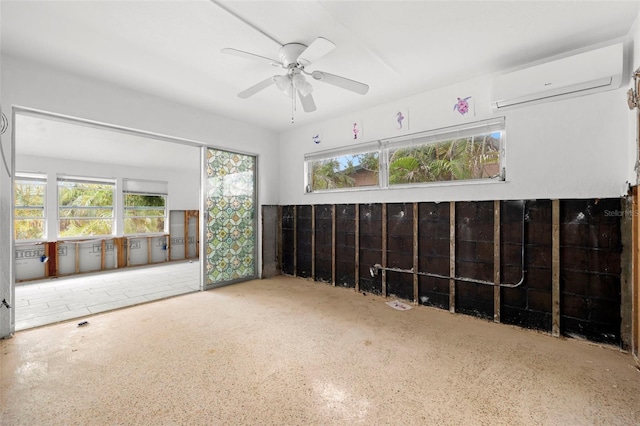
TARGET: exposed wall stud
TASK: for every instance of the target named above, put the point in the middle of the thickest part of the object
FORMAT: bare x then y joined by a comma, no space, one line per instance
102,254
295,241
452,256
333,244
635,274
128,244
47,253
496,261
357,250
415,251
53,259
77,257
384,249
186,235
555,268
119,243
279,238
57,260
313,242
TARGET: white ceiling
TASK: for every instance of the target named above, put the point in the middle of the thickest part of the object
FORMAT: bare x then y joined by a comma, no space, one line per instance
54,138
172,49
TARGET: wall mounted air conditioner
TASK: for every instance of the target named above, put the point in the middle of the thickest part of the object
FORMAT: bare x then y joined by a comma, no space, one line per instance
581,74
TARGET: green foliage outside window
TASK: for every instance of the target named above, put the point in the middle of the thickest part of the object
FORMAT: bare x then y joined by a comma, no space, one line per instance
468,158
85,208
144,213
414,161
29,213
347,171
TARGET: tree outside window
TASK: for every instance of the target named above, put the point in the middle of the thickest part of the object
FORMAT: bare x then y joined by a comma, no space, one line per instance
347,171
474,157
85,208
471,151
29,207
144,213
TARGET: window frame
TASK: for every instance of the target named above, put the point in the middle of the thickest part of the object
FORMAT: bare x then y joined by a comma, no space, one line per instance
125,217
359,149
431,137
145,187
30,177
92,181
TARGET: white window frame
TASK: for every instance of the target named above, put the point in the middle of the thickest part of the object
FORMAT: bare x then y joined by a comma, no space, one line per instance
88,180
40,179
149,188
365,148
385,146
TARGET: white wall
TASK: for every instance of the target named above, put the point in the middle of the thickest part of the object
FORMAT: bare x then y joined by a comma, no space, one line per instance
573,148
32,85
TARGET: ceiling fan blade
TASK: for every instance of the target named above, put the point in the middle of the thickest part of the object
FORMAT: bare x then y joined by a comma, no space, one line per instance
252,56
345,83
308,105
257,87
316,50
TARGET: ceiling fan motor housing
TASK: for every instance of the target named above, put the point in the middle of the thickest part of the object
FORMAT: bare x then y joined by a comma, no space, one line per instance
289,54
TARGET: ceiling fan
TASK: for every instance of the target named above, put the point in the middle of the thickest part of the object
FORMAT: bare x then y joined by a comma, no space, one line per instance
294,57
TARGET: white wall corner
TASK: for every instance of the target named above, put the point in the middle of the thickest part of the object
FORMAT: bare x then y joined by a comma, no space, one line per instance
633,62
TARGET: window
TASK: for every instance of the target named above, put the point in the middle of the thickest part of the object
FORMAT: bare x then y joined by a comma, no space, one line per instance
85,207
471,151
339,170
29,207
473,157
145,208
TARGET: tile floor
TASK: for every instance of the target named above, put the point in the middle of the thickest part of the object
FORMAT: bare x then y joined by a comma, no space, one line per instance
49,301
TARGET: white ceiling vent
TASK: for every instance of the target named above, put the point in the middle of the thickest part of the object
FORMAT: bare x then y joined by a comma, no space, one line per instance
577,75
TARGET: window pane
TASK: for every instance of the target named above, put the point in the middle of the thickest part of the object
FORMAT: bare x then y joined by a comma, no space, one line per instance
29,194
85,208
85,212
29,212
141,225
347,171
144,213
29,229
136,200
85,194
474,157
85,227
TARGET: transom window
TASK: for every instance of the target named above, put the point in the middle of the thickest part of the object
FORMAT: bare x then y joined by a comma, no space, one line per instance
30,191
460,153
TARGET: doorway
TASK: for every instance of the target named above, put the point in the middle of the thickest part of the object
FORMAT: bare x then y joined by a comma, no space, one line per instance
54,153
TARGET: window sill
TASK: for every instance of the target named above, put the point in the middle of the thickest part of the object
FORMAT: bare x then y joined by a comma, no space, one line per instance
467,182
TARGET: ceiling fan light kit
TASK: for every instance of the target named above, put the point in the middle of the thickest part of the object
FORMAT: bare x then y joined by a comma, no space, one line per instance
294,57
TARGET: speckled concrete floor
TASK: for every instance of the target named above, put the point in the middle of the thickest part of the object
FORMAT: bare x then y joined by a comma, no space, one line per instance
288,351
